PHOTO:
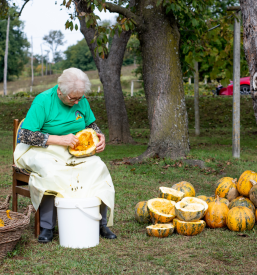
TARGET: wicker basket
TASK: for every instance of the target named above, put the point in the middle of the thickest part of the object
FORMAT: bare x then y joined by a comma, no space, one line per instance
12,230
5,205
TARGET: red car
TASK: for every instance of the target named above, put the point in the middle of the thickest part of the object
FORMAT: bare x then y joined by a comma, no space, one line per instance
244,87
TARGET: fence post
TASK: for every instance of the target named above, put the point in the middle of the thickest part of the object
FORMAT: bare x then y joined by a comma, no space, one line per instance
132,87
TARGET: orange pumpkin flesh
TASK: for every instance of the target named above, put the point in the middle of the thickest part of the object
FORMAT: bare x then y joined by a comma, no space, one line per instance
185,187
226,188
240,218
216,214
161,210
244,184
141,212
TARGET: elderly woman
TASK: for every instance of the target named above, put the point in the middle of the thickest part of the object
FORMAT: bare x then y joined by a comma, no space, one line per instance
52,121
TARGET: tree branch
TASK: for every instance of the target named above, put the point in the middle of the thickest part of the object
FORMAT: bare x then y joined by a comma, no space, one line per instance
26,1
125,12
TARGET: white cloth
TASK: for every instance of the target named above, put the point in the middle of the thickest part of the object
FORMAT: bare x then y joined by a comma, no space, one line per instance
56,171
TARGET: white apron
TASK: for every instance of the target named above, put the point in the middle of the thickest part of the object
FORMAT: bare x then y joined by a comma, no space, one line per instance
56,172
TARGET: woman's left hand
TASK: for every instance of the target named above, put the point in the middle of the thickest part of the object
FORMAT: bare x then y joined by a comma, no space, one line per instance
101,144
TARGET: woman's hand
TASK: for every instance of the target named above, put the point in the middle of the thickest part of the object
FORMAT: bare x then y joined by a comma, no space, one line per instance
69,140
101,144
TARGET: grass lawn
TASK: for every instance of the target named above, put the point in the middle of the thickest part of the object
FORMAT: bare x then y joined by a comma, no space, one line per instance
218,251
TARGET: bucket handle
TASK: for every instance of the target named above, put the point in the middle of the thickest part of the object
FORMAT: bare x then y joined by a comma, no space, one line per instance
98,218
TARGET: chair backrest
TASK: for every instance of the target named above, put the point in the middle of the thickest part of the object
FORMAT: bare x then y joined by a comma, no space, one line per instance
16,131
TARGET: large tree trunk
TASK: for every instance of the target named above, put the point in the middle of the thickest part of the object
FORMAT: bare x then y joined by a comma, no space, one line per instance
163,83
249,13
109,70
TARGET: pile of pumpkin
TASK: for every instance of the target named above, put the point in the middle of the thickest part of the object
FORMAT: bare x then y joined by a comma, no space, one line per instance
233,206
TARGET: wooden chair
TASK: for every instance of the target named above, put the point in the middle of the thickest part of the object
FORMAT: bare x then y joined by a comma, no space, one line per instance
20,183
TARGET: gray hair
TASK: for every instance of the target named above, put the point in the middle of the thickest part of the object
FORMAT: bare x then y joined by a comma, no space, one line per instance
73,80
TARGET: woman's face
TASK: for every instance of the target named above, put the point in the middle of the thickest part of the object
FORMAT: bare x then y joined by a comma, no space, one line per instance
71,99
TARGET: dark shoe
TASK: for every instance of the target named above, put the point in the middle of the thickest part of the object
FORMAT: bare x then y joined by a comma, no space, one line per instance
105,232
46,235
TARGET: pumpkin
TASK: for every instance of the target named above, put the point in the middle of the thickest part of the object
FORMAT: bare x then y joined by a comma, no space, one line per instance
170,194
86,147
223,200
202,197
196,200
253,193
161,210
210,199
185,187
160,230
141,212
189,212
189,228
216,214
256,215
240,218
244,184
242,201
226,188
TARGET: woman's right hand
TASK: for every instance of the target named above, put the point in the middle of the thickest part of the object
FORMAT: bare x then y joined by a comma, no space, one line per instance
69,140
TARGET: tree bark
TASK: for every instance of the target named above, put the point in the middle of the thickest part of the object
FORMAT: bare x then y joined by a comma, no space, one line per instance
249,14
163,82
109,70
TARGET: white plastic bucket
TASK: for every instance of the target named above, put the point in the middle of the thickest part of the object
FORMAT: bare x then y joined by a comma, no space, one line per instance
78,222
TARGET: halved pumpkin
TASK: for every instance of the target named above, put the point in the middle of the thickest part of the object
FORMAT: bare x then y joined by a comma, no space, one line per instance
161,210
189,228
189,212
88,140
171,194
196,200
160,230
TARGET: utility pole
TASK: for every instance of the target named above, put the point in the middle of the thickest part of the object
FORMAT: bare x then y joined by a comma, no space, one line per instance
47,52
196,97
32,71
42,61
236,84
6,56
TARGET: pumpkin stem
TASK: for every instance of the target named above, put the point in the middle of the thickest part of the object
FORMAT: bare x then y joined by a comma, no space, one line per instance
218,199
234,180
253,182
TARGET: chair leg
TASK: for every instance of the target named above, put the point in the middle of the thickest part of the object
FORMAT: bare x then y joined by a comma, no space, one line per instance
37,224
14,194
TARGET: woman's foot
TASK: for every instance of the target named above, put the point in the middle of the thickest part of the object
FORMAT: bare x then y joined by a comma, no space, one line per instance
105,232
46,235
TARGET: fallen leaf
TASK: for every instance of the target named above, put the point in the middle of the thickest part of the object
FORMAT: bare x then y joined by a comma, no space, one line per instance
165,167
228,163
133,169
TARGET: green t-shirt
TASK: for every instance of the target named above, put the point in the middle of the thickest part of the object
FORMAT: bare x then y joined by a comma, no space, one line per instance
48,114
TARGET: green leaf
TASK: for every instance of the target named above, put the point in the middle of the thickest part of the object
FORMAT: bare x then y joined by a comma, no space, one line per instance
76,27
100,49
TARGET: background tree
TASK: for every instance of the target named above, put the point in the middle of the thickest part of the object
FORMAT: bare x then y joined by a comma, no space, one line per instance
79,56
54,39
249,13
18,48
108,62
